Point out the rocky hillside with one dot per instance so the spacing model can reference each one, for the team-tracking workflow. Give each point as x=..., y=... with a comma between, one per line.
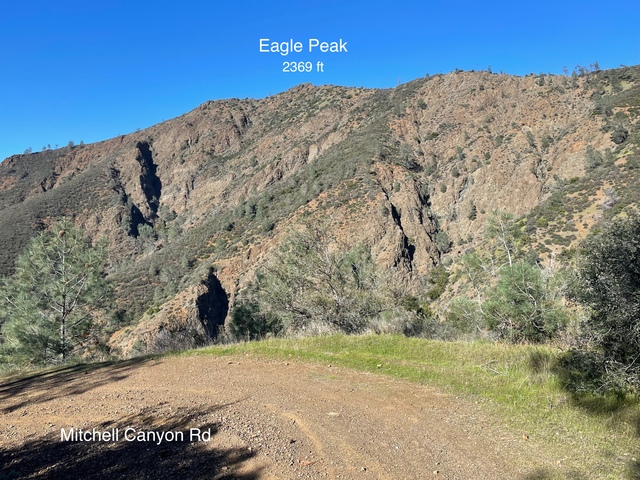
x=192, y=206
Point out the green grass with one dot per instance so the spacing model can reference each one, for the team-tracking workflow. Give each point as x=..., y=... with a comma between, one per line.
x=592, y=436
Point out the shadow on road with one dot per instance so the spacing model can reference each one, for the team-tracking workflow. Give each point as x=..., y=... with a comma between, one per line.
x=52, y=457
x=63, y=382
x=546, y=474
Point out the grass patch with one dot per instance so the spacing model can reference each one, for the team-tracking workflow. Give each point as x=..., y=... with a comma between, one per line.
x=589, y=435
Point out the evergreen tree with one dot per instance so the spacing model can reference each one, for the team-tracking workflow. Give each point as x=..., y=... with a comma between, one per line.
x=49, y=304
x=521, y=307
x=515, y=298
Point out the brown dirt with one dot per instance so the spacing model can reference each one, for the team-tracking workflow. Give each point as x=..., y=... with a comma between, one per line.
x=268, y=420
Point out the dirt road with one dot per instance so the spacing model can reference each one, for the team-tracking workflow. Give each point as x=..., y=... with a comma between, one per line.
x=266, y=419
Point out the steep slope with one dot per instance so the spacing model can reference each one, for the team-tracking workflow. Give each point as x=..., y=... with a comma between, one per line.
x=412, y=172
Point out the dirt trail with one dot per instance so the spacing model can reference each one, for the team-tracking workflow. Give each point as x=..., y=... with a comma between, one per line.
x=267, y=419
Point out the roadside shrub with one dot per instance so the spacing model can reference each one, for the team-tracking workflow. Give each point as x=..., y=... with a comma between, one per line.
x=607, y=283
x=464, y=317
x=248, y=323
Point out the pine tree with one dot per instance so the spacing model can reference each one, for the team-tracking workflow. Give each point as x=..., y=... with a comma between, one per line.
x=49, y=304
x=521, y=307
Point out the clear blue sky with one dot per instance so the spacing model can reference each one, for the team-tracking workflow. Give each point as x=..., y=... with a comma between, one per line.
x=91, y=70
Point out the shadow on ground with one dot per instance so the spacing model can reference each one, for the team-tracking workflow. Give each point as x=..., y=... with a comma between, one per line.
x=546, y=474
x=582, y=376
x=63, y=382
x=51, y=457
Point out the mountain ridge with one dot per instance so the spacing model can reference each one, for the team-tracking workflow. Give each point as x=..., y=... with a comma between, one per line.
x=412, y=172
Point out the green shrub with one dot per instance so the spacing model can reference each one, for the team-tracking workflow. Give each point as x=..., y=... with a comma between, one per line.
x=443, y=242
x=608, y=283
x=248, y=323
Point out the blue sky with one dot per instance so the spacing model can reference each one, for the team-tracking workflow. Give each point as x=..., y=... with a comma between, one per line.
x=91, y=70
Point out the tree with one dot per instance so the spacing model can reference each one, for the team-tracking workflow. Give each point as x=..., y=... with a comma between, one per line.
x=473, y=212
x=521, y=307
x=311, y=281
x=504, y=240
x=502, y=246
x=514, y=296
x=608, y=285
x=49, y=304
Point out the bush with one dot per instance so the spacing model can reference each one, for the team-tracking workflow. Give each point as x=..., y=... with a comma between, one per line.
x=607, y=283
x=439, y=279
x=248, y=323
x=464, y=317
x=473, y=212
x=619, y=135
x=443, y=242
x=310, y=281
x=593, y=158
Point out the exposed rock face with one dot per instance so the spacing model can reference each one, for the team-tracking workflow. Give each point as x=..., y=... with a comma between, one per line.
x=399, y=170
x=188, y=320
x=213, y=305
